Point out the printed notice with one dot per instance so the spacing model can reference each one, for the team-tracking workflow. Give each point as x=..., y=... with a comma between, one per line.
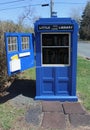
x=15, y=65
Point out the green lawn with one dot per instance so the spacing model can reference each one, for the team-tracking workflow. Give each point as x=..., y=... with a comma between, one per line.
x=28, y=74
x=8, y=115
x=83, y=81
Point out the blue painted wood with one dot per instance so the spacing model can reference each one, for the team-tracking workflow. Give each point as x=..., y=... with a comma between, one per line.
x=57, y=98
x=56, y=82
x=25, y=61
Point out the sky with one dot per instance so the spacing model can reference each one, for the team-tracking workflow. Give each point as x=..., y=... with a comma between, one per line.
x=13, y=9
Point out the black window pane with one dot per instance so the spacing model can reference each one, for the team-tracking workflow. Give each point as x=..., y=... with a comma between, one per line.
x=56, y=49
x=55, y=56
x=55, y=39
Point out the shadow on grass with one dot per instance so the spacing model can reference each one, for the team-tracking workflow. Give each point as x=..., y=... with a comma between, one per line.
x=25, y=87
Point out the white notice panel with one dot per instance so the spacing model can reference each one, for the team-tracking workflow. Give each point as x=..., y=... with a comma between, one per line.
x=15, y=65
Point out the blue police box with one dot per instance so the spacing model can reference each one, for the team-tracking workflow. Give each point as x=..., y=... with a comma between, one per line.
x=56, y=59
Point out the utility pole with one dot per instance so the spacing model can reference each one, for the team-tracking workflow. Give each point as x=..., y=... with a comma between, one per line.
x=51, y=7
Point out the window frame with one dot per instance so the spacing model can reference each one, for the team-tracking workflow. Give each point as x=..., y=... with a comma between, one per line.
x=69, y=49
x=26, y=43
x=11, y=44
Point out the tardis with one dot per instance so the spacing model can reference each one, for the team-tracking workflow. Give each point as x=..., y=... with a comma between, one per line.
x=56, y=56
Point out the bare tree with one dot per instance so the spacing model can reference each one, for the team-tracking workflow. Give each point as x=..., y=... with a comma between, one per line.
x=28, y=15
x=76, y=14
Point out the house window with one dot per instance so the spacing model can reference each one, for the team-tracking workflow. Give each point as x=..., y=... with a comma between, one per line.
x=56, y=49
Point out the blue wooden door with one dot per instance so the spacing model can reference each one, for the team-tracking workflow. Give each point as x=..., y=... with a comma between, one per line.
x=54, y=74
x=19, y=52
x=55, y=81
x=56, y=50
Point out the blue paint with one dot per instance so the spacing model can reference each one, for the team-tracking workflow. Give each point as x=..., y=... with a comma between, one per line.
x=27, y=58
x=55, y=81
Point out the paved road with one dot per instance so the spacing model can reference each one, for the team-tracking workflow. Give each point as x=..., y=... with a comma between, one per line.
x=84, y=49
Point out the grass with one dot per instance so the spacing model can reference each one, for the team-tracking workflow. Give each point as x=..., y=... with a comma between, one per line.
x=8, y=115
x=28, y=74
x=83, y=81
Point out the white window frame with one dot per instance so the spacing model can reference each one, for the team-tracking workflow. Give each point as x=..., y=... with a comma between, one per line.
x=25, y=44
x=11, y=45
x=69, y=46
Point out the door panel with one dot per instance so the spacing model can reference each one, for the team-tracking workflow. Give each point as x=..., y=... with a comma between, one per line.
x=55, y=80
x=48, y=81
x=62, y=80
x=19, y=52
